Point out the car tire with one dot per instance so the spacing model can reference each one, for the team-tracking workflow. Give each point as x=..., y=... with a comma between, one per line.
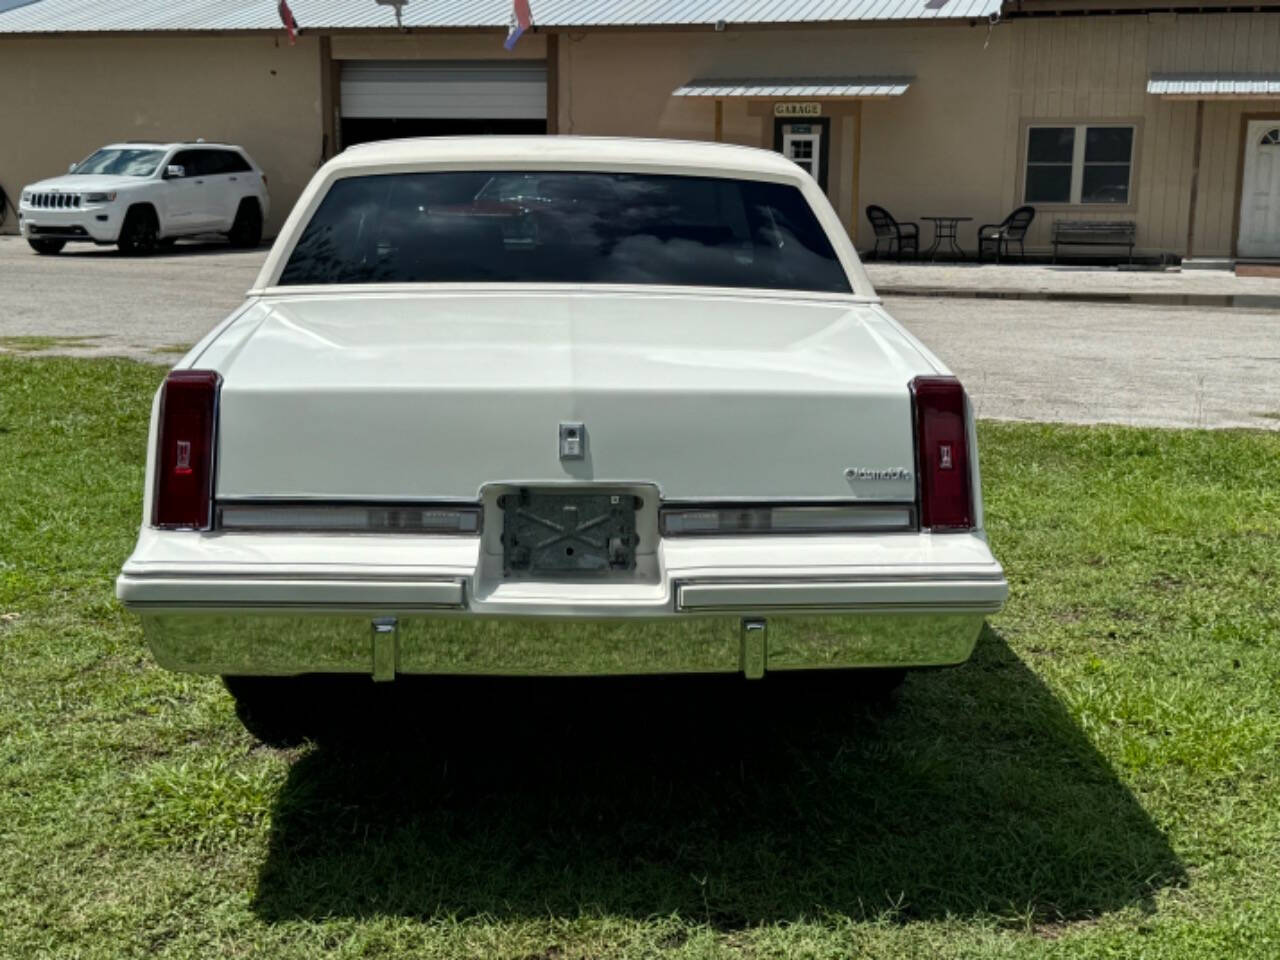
x=47, y=247
x=246, y=229
x=277, y=710
x=140, y=232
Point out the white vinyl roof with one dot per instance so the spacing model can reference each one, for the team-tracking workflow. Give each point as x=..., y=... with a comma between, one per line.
x=96, y=16
x=568, y=152
x=824, y=87
x=1214, y=85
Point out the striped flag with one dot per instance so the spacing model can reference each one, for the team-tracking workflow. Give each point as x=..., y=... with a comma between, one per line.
x=521, y=20
x=290, y=24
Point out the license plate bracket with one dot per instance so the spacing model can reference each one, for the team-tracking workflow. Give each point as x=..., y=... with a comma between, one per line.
x=568, y=532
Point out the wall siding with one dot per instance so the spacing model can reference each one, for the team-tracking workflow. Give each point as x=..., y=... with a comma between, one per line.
x=936, y=150
x=1095, y=69
x=63, y=98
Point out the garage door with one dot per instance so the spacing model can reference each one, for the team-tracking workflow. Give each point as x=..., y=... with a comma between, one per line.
x=444, y=90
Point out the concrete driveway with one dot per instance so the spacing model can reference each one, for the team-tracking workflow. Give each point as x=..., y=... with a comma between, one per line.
x=1186, y=366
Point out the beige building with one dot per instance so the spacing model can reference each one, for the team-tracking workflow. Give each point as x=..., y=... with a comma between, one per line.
x=1166, y=120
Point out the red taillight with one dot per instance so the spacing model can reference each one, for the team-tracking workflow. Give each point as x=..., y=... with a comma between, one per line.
x=942, y=454
x=184, y=461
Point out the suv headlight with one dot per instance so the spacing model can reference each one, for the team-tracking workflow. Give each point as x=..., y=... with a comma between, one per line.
x=99, y=197
x=26, y=196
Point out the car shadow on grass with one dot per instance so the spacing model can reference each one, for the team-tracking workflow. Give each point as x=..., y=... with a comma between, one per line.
x=732, y=804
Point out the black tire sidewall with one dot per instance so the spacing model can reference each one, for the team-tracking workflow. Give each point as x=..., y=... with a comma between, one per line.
x=128, y=242
x=46, y=247
x=246, y=229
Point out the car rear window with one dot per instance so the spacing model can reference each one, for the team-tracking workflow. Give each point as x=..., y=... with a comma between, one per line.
x=565, y=227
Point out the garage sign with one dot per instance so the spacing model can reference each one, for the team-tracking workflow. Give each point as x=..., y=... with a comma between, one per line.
x=807, y=108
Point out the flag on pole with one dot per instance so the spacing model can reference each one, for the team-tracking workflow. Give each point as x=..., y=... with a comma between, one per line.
x=521, y=20
x=290, y=24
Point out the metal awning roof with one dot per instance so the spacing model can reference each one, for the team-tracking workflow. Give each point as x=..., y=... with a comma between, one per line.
x=1214, y=86
x=95, y=16
x=818, y=87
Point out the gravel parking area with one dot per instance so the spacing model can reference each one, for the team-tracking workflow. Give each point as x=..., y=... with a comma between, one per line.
x=1021, y=359
x=94, y=301
x=1085, y=363
x=1138, y=364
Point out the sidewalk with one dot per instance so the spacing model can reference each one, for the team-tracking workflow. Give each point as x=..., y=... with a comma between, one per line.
x=1062, y=278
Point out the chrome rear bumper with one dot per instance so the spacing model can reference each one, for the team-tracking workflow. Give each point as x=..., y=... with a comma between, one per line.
x=253, y=604
x=281, y=643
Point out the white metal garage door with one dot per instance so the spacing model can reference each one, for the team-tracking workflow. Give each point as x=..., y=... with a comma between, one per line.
x=444, y=89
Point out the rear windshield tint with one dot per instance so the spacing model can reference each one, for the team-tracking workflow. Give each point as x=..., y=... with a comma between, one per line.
x=552, y=227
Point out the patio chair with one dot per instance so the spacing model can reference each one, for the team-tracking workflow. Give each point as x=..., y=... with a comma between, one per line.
x=998, y=236
x=889, y=231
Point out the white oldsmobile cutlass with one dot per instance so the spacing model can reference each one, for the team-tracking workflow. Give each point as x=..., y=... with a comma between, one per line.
x=559, y=406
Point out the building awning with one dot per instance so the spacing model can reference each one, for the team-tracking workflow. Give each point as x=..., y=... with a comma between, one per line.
x=820, y=88
x=94, y=16
x=1215, y=86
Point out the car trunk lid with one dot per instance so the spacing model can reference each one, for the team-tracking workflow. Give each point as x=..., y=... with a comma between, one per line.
x=435, y=395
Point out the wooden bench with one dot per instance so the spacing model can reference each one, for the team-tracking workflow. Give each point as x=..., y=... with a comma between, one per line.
x=1094, y=233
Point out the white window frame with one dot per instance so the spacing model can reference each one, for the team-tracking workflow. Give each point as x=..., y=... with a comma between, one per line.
x=1077, y=163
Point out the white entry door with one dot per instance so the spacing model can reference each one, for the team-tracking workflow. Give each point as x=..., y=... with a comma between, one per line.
x=1260, y=193
x=802, y=149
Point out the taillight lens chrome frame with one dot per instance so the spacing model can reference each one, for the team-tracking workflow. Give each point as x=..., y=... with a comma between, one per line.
x=686, y=520
x=450, y=519
x=942, y=454
x=186, y=450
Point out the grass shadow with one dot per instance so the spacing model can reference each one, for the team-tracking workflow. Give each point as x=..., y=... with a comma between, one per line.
x=729, y=803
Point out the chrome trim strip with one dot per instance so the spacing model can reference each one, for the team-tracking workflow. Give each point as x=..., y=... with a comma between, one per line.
x=995, y=574
x=984, y=596
x=276, y=291
x=163, y=591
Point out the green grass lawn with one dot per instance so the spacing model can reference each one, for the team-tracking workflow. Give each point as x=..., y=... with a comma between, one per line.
x=1101, y=780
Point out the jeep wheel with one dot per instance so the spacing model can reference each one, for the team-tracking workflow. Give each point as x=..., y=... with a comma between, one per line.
x=140, y=232
x=246, y=229
x=47, y=247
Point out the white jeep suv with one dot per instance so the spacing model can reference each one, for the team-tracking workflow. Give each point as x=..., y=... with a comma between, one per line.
x=146, y=195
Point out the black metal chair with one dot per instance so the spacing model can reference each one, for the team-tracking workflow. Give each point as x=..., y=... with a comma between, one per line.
x=889, y=231
x=998, y=236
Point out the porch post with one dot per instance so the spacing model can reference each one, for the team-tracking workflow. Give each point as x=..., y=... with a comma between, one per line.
x=553, y=83
x=1195, y=179
x=856, y=175
x=329, y=85
x=719, y=123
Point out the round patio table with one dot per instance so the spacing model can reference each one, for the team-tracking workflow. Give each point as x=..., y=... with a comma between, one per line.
x=944, y=228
